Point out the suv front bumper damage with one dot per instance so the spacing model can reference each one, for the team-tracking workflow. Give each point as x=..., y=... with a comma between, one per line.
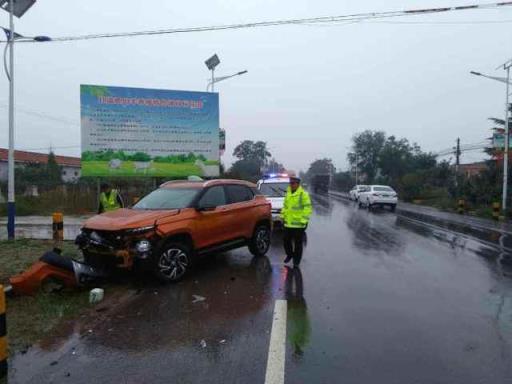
x=112, y=249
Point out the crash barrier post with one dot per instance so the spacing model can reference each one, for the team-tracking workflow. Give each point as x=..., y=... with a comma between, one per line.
x=58, y=226
x=496, y=208
x=3, y=334
x=460, y=206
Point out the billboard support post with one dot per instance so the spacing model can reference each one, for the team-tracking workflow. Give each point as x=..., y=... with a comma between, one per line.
x=11, y=204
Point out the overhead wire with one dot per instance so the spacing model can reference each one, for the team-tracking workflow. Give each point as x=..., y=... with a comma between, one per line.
x=350, y=18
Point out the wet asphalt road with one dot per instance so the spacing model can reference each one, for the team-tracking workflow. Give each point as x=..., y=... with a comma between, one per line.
x=379, y=299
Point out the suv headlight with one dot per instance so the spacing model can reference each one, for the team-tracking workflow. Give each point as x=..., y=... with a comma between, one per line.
x=136, y=231
x=143, y=246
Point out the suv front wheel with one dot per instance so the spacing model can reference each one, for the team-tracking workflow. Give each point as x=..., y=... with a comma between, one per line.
x=173, y=262
x=260, y=242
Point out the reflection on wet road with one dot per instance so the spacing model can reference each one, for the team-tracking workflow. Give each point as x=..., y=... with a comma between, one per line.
x=378, y=299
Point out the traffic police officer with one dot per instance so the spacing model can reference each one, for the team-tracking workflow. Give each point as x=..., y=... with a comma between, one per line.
x=110, y=199
x=295, y=214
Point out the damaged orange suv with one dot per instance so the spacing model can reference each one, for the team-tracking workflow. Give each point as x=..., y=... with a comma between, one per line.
x=171, y=227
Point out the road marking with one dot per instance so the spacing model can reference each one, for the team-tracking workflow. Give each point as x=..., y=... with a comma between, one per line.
x=277, y=347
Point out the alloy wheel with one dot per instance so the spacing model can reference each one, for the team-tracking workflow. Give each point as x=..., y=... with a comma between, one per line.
x=263, y=239
x=173, y=263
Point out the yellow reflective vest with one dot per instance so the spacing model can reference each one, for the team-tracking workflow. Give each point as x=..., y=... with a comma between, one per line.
x=296, y=209
x=109, y=203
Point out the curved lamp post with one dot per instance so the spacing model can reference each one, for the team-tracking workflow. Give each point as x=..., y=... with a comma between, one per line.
x=505, y=80
x=15, y=8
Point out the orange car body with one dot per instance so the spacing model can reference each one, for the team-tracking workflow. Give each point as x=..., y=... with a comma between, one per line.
x=115, y=237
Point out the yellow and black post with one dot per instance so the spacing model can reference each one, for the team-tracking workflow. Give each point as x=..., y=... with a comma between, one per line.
x=58, y=226
x=460, y=206
x=3, y=334
x=496, y=208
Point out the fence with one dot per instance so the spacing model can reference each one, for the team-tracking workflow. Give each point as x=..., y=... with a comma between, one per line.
x=72, y=198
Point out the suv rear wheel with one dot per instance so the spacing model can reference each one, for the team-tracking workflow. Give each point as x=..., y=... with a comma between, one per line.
x=260, y=242
x=173, y=262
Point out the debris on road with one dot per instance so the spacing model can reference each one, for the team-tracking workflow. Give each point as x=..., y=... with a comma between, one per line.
x=203, y=343
x=197, y=298
x=96, y=295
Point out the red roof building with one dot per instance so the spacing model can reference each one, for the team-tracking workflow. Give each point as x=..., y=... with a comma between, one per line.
x=70, y=165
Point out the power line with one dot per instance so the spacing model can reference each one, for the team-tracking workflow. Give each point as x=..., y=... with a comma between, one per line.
x=43, y=115
x=463, y=148
x=351, y=18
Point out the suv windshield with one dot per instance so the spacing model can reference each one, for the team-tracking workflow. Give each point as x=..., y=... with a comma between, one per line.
x=168, y=198
x=273, y=189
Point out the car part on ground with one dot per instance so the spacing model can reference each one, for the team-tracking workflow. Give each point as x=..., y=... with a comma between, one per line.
x=52, y=272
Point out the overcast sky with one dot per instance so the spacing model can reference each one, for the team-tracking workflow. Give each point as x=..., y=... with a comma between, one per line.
x=308, y=90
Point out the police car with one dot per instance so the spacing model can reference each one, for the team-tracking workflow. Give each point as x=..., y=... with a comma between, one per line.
x=273, y=186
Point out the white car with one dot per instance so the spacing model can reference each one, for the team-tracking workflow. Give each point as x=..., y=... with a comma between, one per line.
x=273, y=187
x=378, y=195
x=354, y=192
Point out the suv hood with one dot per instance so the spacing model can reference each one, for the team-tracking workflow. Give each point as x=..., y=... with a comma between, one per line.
x=127, y=219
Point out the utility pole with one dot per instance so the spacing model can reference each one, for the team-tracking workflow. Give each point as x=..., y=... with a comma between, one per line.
x=457, y=155
x=357, y=162
x=507, y=133
x=457, y=163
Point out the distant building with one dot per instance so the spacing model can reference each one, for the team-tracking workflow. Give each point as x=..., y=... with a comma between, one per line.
x=472, y=169
x=70, y=166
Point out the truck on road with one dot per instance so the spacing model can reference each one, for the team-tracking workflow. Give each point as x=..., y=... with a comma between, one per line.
x=320, y=183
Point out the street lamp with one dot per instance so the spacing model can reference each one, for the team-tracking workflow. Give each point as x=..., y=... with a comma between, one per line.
x=211, y=63
x=15, y=8
x=222, y=78
x=505, y=80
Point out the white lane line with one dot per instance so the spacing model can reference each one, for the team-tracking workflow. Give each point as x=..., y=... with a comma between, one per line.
x=277, y=347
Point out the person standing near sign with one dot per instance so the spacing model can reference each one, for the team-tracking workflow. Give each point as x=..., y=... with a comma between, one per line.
x=295, y=214
x=109, y=199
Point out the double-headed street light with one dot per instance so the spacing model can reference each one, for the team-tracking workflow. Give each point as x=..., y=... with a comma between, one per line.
x=15, y=8
x=505, y=80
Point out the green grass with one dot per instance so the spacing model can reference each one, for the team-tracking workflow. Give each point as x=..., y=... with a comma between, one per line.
x=101, y=168
x=30, y=318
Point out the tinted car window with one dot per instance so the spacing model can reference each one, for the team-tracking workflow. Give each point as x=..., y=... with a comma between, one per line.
x=239, y=193
x=383, y=189
x=167, y=198
x=213, y=197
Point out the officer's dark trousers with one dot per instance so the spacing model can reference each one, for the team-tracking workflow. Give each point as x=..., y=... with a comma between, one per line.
x=293, y=243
